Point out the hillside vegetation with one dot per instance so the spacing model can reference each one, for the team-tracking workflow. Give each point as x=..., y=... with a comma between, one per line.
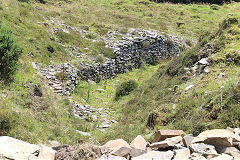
x=212, y=103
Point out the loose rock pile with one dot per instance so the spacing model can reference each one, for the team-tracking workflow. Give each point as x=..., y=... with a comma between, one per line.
x=217, y=144
x=62, y=78
x=138, y=48
x=89, y=113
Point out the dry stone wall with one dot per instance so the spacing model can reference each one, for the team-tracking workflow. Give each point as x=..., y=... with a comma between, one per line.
x=137, y=48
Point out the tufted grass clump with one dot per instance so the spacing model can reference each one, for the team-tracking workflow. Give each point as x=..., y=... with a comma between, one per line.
x=8, y=120
x=62, y=76
x=125, y=88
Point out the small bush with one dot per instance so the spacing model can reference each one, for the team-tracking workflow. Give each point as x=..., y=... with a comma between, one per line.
x=107, y=52
x=50, y=49
x=91, y=36
x=64, y=37
x=10, y=52
x=99, y=59
x=125, y=88
x=228, y=22
x=7, y=121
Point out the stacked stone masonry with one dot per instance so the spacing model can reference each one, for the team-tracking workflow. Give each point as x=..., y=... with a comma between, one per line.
x=137, y=48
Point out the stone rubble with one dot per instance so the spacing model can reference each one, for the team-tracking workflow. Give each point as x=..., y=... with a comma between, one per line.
x=216, y=144
x=61, y=78
x=206, y=146
x=135, y=48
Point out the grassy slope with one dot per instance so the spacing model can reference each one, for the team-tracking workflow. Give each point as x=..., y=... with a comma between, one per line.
x=213, y=103
x=27, y=22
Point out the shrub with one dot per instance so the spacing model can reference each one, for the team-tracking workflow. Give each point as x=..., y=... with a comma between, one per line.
x=107, y=52
x=64, y=37
x=91, y=36
x=50, y=48
x=99, y=59
x=125, y=88
x=10, y=53
x=7, y=121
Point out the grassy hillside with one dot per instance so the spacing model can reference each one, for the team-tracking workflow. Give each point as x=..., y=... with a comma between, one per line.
x=213, y=102
x=38, y=119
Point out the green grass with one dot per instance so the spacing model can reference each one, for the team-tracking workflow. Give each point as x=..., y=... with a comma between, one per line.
x=41, y=119
x=213, y=103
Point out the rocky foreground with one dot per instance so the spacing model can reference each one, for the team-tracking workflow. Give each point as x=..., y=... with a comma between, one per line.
x=217, y=144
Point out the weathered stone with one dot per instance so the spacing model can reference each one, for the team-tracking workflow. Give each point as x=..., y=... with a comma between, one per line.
x=179, y=146
x=163, y=134
x=138, y=146
x=203, y=148
x=111, y=157
x=236, y=137
x=221, y=75
x=104, y=125
x=136, y=152
x=203, y=61
x=117, y=147
x=197, y=156
x=230, y=129
x=84, y=133
x=181, y=154
x=227, y=150
x=189, y=87
x=46, y=153
x=236, y=130
x=139, y=143
x=220, y=138
x=187, y=140
x=100, y=90
x=121, y=151
x=12, y=148
x=152, y=155
x=223, y=157
x=235, y=155
x=34, y=65
x=169, y=142
x=53, y=143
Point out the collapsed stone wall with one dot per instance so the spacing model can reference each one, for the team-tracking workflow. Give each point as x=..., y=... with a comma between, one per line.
x=147, y=47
